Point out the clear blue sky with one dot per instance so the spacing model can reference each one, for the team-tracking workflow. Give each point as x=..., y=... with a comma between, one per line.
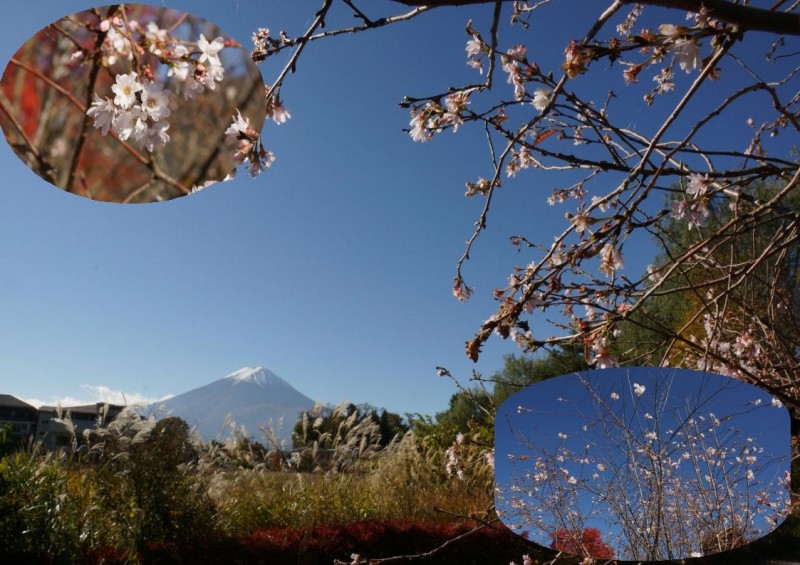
x=333, y=269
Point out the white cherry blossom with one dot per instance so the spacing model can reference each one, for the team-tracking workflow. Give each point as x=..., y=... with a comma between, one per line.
x=125, y=89
x=155, y=101
x=102, y=111
x=686, y=54
x=130, y=124
x=210, y=51
x=155, y=136
x=239, y=126
x=178, y=68
x=541, y=98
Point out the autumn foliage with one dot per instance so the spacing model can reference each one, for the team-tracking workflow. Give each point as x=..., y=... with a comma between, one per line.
x=588, y=543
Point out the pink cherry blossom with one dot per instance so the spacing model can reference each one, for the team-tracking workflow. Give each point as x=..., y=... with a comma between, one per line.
x=698, y=185
x=418, y=130
x=610, y=259
x=474, y=46
x=278, y=112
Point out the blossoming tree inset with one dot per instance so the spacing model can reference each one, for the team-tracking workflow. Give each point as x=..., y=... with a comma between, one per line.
x=130, y=103
x=662, y=463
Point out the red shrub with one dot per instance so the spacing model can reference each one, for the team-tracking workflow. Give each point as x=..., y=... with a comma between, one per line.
x=588, y=542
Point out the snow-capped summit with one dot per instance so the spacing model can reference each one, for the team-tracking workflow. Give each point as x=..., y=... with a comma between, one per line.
x=251, y=396
x=257, y=375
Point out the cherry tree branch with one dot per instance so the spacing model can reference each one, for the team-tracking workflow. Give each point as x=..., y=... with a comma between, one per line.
x=744, y=17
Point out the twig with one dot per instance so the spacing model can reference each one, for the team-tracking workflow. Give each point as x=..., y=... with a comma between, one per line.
x=76, y=155
x=301, y=43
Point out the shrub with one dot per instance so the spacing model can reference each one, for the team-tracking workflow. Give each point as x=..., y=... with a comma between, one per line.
x=37, y=517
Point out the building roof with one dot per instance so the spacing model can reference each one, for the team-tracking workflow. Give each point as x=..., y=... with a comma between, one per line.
x=85, y=409
x=14, y=402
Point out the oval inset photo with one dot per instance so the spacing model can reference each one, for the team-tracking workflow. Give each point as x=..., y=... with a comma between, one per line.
x=642, y=464
x=132, y=103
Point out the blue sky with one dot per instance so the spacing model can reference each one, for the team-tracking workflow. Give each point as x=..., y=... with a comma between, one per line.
x=333, y=269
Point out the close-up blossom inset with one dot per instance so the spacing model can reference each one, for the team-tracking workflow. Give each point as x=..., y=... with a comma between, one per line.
x=642, y=464
x=133, y=103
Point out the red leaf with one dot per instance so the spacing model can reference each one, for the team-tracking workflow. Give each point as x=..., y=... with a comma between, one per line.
x=544, y=135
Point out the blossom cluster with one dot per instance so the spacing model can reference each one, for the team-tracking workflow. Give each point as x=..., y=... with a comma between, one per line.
x=141, y=105
x=197, y=65
x=433, y=117
x=249, y=150
x=695, y=209
x=740, y=347
x=264, y=45
x=138, y=112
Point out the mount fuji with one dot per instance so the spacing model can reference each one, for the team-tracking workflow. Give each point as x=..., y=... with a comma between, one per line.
x=253, y=396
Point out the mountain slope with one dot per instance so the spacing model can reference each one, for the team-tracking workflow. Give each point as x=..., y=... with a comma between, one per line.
x=252, y=396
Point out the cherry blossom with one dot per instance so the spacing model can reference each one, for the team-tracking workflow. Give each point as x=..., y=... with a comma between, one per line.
x=116, y=45
x=603, y=358
x=102, y=111
x=125, y=89
x=610, y=259
x=541, y=98
x=130, y=123
x=155, y=101
x=580, y=221
x=278, y=112
x=211, y=75
x=474, y=46
x=210, y=51
x=155, y=136
x=419, y=132
x=686, y=54
x=698, y=185
x=694, y=211
x=157, y=38
x=192, y=87
x=475, y=51
x=260, y=160
x=663, y=80
x=238, y=128
x=178, y=67
x=746, y=347
x=455, y=104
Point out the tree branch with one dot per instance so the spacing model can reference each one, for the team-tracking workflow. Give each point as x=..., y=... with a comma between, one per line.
x=745, y=17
